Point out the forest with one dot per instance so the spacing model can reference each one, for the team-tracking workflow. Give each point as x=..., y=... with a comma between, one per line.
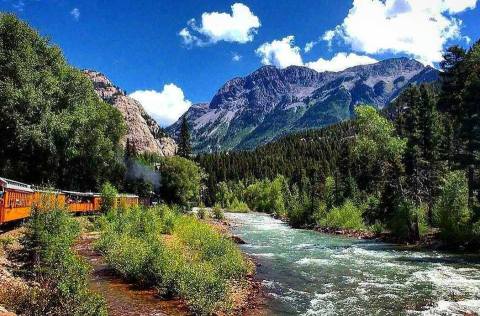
x=409, y=170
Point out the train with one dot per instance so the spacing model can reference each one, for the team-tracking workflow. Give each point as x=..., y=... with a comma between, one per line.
x=17, y=200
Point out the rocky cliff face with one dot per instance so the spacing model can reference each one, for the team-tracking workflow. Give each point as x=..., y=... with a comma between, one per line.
x=270, y=102
x=143, y=132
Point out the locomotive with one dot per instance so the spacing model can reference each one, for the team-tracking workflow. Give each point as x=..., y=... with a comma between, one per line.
x=17, y=200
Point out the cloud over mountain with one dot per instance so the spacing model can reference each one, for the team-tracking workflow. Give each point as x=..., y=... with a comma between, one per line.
x=284, y=53
x=164, y=106
x=417, y=28
x=240, y=26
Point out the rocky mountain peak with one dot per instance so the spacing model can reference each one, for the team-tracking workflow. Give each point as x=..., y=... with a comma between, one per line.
x=270, y=102
x=142, y=131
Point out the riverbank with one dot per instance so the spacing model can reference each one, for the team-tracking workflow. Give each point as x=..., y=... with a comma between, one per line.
x=251, y=300
x=125, y=298
x=180, y=257
x=9, y=283
x=122, y=298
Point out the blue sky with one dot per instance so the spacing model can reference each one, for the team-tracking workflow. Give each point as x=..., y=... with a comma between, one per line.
x=138, y=45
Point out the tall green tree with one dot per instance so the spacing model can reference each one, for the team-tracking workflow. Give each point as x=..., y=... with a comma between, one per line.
x=181, y=180
x=184, y=144
x=54, y=127
x=419, y=122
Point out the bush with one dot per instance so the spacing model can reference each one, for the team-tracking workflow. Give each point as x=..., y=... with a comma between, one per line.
x=451, y=212
x=238, y=206
x=347, y=216
x=202, y=213
x=196, y=262
x=218, y=213
x=62, y=277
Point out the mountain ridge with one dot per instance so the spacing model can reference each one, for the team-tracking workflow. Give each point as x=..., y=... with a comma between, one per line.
x=270, y=102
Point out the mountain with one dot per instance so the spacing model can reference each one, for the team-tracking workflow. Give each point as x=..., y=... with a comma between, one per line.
x=142, y=131
x=271, y=102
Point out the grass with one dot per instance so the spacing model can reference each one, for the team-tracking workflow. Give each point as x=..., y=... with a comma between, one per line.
x=177, y=254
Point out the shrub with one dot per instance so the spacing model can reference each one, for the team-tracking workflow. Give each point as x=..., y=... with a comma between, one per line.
x=218, y=213
x=347, y=216
x=238, y=206
x=267, y=196
x=377, y=227
x=196, y=262
x=202, y=213
x=62, y=277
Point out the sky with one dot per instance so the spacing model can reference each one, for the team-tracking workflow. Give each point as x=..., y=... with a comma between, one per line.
x=171, y=54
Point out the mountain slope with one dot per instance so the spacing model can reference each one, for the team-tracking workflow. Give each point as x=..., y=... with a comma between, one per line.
x=143, y=132
x=270, y=102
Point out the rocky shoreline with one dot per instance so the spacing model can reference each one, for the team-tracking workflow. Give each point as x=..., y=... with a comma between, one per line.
x=253, y=296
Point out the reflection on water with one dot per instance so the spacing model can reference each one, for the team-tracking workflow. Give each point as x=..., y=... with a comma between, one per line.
x=308, y=273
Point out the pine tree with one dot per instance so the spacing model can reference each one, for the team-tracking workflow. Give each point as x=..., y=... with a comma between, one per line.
x=184, y=145
x=470, y=119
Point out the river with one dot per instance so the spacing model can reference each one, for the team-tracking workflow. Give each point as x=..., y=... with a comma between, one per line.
x=308, y=273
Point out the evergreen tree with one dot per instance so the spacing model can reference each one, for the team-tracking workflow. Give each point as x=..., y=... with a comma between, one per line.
x=184, y=144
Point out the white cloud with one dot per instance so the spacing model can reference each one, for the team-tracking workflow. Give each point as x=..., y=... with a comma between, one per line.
x=75, y=13
x=420, y=28
x=308, y=47
x=339, y=62
x=240, y=26
x=236, y=57
x=165, y=106
x=281, y=53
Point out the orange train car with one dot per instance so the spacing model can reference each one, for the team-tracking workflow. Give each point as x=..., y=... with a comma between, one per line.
x=17, y=200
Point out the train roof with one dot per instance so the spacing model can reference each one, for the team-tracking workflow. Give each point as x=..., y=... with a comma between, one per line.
x=127, y=195
x=92, y=194
x=15, y=185
x=88, y=194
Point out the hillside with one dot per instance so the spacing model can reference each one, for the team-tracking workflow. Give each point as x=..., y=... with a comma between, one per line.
x=253, y=110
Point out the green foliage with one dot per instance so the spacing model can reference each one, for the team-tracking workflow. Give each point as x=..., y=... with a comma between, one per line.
x=109, y=197
x=267, y=196
x=409, y=221
x=194, y=261
x=202, y=213
x=180, y=180
x=238, y=206
x=451, y=211
x=54, y=127
x=346, y=216
x=62, y=277
x=218, y=213
x=376, y=136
